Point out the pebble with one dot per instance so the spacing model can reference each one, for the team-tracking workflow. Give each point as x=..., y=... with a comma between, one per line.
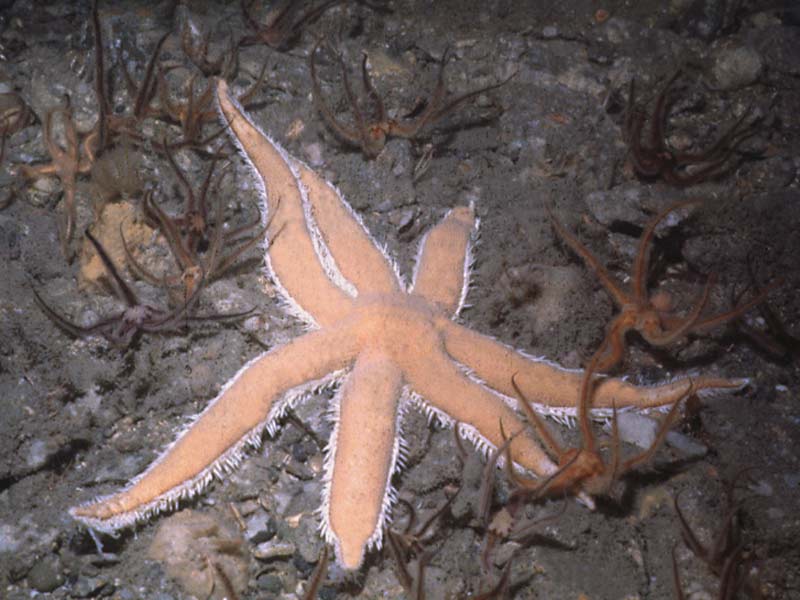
x=89, y=587
x=309, y=543
x=126, y=594
x=761, y=488
x=641, y=430
x=270, y=584
x=686, y=445
x=635, y=428
x=621, y=204
x=404, y=218
x=46, y=575
x=313, y=154
x=792, y=480
x=274, y=549
x=10, y=542
x=736, y=66
x=38, y=453
x=9, y=239
x=255, y=324
x=550, y=32
x=260, y=528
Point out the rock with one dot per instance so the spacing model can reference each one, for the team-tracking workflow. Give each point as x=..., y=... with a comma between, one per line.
x=779, y=46
x=792, y=480
x=38, y=452
x=270, y=584
x=622, y=204
x=9, y=540
x=90, y=587
x=308, y=540
x=46, y=575
x=686, y=445
x=550, y=32
x=313, y=153
x=735, y=65
x=641, y=430
x=635, y=428
x=107, y=231
x=9, y=239
x=194, y=547
x=274, y=549
x=260, y=528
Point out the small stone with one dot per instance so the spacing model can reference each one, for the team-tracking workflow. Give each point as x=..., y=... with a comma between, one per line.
x=686, y=445
x=308, y=540
x=126, y=594
x=636, y=428
x=775, y=513
x=792, y=480
x=550, y=32
x=622, y=204
x=260, y=528
x=9, y=238
x=194, y=547
x=313, y=154
x=270, y=584
x=403, y=219
x=736, y=66
x=89, y=587
x=46, y=575
x=255, y=324
x=46, y=185
x=10, y=540
x=274, y=549
x=761, y=488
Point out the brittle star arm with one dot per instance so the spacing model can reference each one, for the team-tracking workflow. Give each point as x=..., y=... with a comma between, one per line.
x=351, y=135
x=294, y=256
x=641, y=264
x=214, y=443
x=621, y=298
x=553, y=389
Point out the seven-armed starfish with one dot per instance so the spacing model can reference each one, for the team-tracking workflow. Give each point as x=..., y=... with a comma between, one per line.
x=389, y=345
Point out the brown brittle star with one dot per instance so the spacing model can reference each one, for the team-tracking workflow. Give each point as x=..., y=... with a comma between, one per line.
x=196, y=45
x=653, y=158
x=371, y=135
x=197, y=246
x=67, y=162
x=79, y=151
x=191, y=114
x=582, y=469
x=138, y=317
x=280, y=27
x=725, y=556
x=652, y=316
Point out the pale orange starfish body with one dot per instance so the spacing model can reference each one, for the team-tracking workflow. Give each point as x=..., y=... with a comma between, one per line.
x=386, y=344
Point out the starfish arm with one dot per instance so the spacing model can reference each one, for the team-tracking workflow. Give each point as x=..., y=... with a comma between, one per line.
x=553, y=389
x=215, y=442
x=355, y=252
x=361, y=458
x=481, y=412
x=441, y=275
x=294, y=253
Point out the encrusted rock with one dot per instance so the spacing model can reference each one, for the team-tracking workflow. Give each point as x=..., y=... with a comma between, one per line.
x=736, y=66
x=203, y=553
